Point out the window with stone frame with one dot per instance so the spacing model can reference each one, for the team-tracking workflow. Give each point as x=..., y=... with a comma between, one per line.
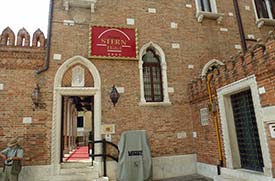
x=265, y=8
x=205, y=5
x=152, y=78
x=207, y=9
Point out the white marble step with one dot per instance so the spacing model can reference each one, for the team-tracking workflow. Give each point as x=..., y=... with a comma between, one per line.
x=227, y=178
x=101, y=179
x=84, y=164
x=75, y=177
x=78, y=170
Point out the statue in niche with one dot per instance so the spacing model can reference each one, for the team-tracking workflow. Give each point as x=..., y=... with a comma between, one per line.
x=78, y=77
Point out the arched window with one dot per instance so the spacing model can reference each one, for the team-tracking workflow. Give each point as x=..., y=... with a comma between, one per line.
x=152, y=77
x=209, y=66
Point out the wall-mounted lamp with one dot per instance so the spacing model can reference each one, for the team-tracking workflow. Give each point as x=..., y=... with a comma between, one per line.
x=114, y=95
x=36, y=96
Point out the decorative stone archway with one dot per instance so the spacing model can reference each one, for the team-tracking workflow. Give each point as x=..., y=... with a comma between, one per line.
x=60, y=91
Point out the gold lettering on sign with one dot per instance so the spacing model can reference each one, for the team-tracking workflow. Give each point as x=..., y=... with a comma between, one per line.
x=113, y=45
x=113, y=41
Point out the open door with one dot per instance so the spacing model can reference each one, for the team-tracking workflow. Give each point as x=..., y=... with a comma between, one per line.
x=77, y=127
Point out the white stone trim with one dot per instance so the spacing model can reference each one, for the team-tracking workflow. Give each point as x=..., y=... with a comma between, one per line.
x=208, y=65
x=59, y=91
x=155, y=103
x=80, y=3
x=1, y=86
x=228, y=127
x=160, y=52
x=130, y=21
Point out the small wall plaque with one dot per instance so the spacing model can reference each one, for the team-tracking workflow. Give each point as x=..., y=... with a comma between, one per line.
x=78, y=77
x=108, y=129
x=204, y=116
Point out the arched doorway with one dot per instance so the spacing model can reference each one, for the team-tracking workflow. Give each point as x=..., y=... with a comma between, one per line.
x=79, y=89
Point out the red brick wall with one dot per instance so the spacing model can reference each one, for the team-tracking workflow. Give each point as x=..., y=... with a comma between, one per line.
x=17, y=73
x=199, y=43
x=254, y=62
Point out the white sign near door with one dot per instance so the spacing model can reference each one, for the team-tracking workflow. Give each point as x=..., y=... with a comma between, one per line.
x=204, y=116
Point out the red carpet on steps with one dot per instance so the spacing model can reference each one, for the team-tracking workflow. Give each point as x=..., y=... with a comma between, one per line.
x=81, y=153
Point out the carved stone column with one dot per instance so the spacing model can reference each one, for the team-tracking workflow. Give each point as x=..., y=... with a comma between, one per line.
x=74, y=126
x=70, y=125
x=65, y=125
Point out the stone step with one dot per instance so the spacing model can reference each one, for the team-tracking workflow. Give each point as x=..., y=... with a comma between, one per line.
x=84, y=164
x=76, y=177
x=78, y=170
x=101, y=179
x=227, y=178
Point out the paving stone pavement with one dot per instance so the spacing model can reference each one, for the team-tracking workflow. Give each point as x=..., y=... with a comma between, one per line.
x=188, y=178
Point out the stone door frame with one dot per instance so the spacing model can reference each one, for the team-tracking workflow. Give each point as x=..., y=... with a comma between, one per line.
x=228, y=127
x=59, y=91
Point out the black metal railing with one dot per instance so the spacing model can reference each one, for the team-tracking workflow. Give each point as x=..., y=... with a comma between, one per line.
x=104, y=154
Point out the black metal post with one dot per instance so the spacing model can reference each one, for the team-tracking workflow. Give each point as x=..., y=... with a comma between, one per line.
x=91, y=147
x=93, y=129
x=104, y=157
x=240, y=26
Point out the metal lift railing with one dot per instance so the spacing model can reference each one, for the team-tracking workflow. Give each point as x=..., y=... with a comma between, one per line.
x=104, y=154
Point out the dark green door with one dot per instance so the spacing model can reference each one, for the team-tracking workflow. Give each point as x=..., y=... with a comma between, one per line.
x=247, y=131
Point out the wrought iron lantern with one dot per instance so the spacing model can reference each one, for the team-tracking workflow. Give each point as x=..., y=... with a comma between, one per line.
x=114, y=95
x=36, y=96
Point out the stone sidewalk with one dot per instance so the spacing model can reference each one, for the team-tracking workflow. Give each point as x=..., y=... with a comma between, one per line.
x=188, y=178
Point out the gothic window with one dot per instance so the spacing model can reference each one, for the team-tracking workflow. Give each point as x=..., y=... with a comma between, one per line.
x=265, y=8
x=153, y=76
x=152, y=80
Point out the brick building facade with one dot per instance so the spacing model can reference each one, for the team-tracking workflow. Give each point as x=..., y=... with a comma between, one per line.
x=188, y=41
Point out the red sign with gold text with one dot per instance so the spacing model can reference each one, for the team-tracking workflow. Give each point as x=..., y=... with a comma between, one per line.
x=113, y=42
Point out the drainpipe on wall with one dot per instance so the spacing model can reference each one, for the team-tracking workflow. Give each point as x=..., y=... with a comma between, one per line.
x=214, y=114
x=45, y=68
x=240, y=26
